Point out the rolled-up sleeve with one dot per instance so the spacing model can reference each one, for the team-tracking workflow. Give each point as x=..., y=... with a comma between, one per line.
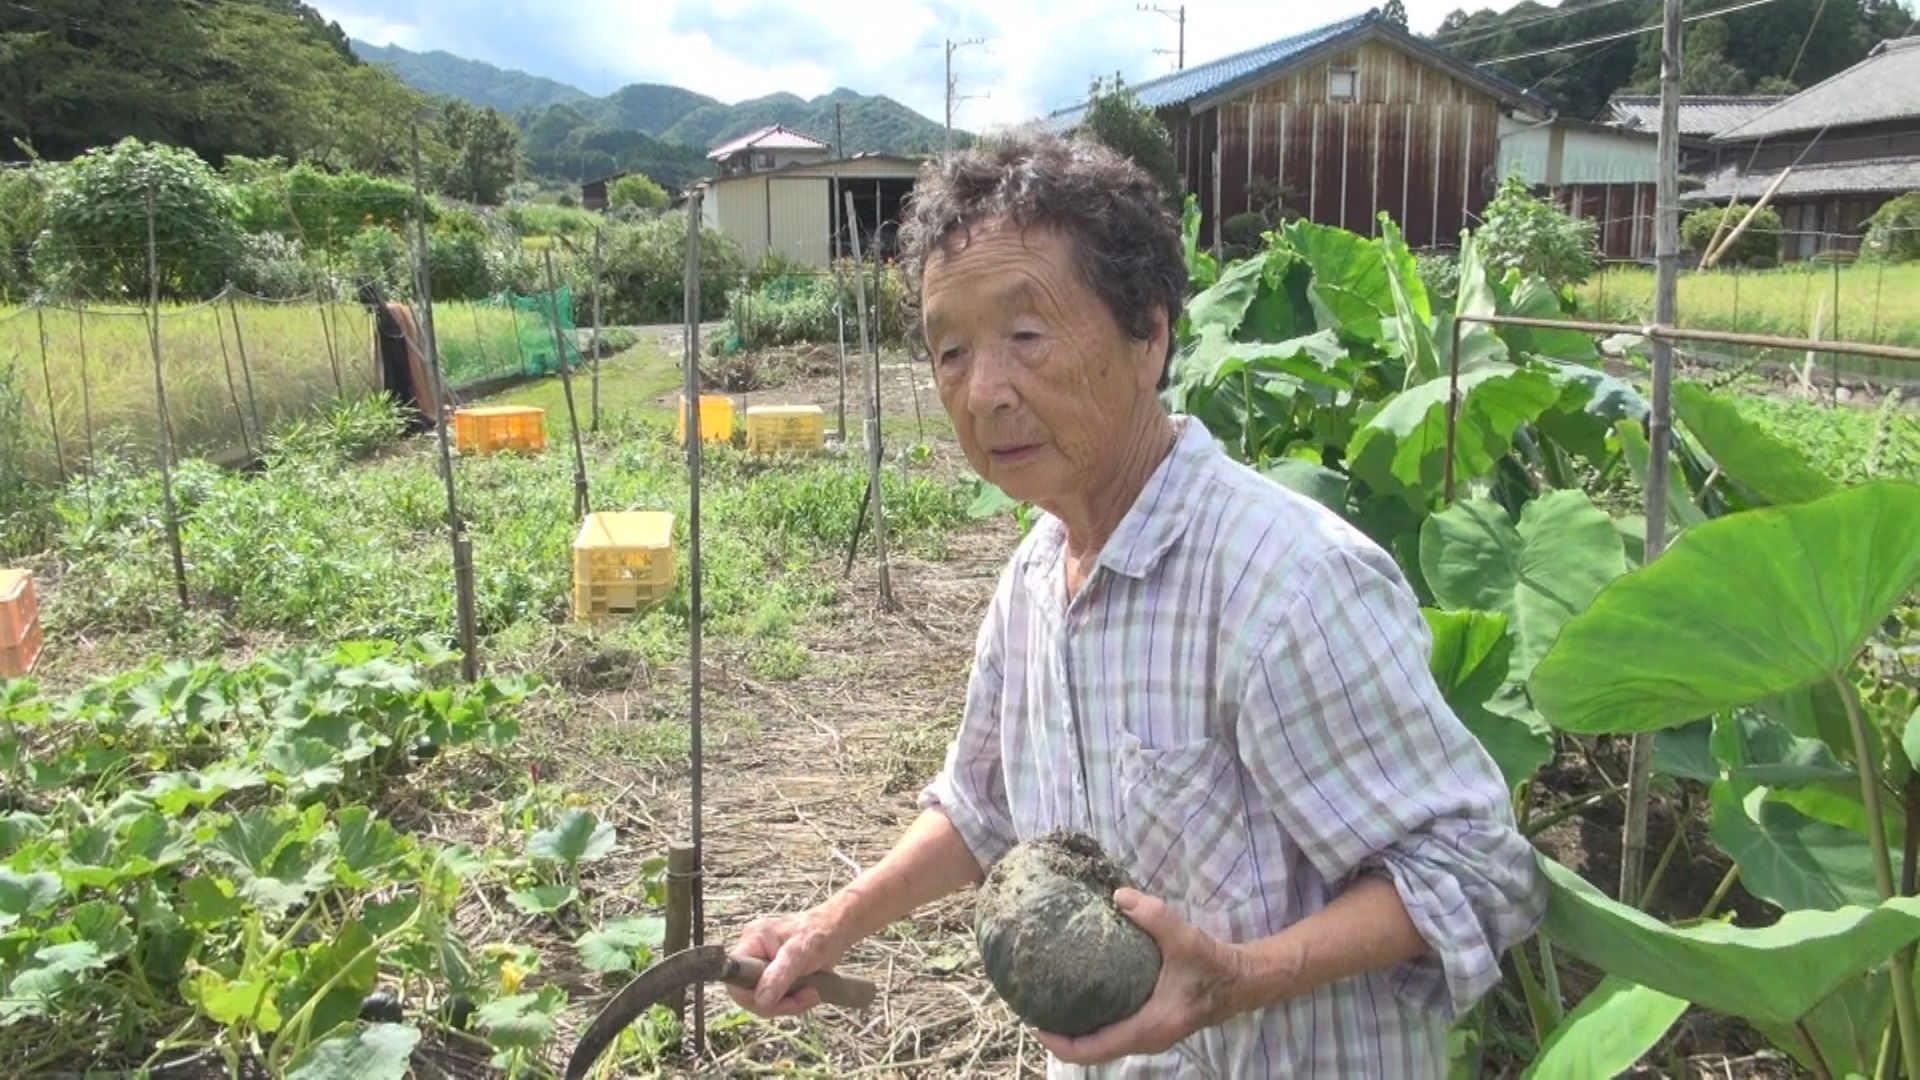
x=1353, y=746
x=971, y=787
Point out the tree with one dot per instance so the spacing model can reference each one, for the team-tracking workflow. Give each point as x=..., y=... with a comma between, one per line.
x=636, y=190
x=1116, y=118
x=1395, y=12
x=484, y=152
x=95, y=236
x=1533, y=236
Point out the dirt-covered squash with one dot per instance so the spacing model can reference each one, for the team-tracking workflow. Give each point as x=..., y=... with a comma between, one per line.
x=1064, y=958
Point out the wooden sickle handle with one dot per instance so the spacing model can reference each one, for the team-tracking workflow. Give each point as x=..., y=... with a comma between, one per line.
x=842, y=990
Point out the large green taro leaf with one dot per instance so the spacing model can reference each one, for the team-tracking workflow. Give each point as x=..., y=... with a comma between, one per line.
x=1745, y=451
x=1738, y=609
x=1789, y=859
x=1768, y=974
x=1535, y=299
x=1315, y=481
x=1402, y=448
x=1479, y=344
x=1350, y=291
x=1471, y=656
x=1410, y=331
x=1682, y=512
x=1317, y=358
x=1612, y=1027
x=1225, y=303
x=1846, y=1028
x=1539, y=574
x=1591, y=403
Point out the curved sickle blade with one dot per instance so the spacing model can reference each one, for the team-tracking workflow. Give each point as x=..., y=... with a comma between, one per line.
x=688, y=967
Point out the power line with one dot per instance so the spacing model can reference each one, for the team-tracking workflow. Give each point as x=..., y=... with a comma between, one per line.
x=1621, y=34
x=1532, y=20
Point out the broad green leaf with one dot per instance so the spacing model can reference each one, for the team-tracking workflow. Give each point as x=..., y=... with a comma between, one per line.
x=1224, y=304
x=362, y=1052
x=1743, y=607
x=1316, y=482
x=1761, y=752
x=1682, y=512
x=1479, y=344
x=543, y=899
x=53, y=970
x=1746, y=451
x=1773, y=973
x=1349, y=290
x=367, y=844
x=102, y=923
x=462, y=860
x=1535, y=299
x=1846, y=1027
x=578, y=838
x=1591, y=403
x=1539, y=574
x=1910, y=739
x=521, y=1020
x=1831, y=804
x=1613, y=1027
x=1788, y=859
x=228, y=1002
x=1686, y=752
x=1402, y=447
x=26, y=894
x=1410, y=331
x=303, y=764
x=1470, y=660
x=248, y=841
x=611, y=947
x=210, y=901
x=345, y=960
x=1317, y=358
x=988, y=501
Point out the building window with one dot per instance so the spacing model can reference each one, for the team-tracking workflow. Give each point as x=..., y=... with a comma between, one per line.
x=766, y=161
x=1343, y=85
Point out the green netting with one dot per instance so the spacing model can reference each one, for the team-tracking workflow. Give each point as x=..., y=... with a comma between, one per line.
x=506, y=334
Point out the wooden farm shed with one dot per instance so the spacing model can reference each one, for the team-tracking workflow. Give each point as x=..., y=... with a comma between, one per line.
x=1351, y=119
x=1596, y=172
x=798, y=210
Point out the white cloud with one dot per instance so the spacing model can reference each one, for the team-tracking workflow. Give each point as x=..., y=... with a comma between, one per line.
x=1036, y=56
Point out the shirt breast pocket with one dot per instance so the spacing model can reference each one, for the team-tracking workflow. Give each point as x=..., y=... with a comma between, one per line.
x=1184, y=824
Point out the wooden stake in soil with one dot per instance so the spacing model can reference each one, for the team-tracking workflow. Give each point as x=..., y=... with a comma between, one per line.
x=690, y=309
x=333, y=355
x=1633, y=846
x=597, y=237
x=86, y=393
x=160, y=404
x=566, y=386
x=46, y=379
x=681, y=873
x=246, y=369
x=867, y=347
x=456, y=529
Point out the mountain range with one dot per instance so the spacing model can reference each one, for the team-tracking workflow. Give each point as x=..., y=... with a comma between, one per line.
x=569, y=133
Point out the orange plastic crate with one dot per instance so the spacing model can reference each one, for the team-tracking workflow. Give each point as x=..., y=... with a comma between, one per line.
x=622, y=562
x=786, y=429
x=487, y=429
x=716, y=419
x=20, y=637
x=16, y=660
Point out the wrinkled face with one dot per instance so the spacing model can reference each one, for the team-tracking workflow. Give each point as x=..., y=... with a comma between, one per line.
x=1038, y=376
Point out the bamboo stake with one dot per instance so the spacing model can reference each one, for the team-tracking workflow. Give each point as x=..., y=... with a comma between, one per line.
x=1713, y=254
x=456, y=528
x=690, y=310
x=160, y=404
x=566, y=385
x=873, y=418
x=333, y=355
x=86, y=394
x=682, y=871
x=233, y=394
x=597, y=237
x=246, y=369
x=46, y=379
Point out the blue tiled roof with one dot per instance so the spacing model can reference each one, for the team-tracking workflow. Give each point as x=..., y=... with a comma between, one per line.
x=1205, y=80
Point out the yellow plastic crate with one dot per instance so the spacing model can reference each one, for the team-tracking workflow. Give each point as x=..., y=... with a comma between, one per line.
x=487, y=429
x=716, y=419
x=19, y=624
x=786, y=429
x=622, y=562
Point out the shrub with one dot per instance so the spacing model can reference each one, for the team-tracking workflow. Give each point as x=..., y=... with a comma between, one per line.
x=1240, y=235
x=274, y=266
x=547, y=219
x=1893, y=232
x=457, y=266
x=798, y=308
x=1440, y=273
x=1760, y=242
x=644, y=264
x=1533, y=236
x=96, y=223
x=23, y=211
x=380, y=256
x=321, y=209
x=637, y=190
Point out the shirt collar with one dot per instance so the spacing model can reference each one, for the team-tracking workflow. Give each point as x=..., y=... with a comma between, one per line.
x=1160, y=513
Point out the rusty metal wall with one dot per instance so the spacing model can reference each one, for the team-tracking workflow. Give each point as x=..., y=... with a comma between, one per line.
x=1413, y=141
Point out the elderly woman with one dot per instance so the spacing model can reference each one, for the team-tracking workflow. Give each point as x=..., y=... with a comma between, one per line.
x=1221, y=681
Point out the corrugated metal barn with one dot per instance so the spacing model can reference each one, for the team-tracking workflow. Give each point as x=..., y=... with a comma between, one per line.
x=1351, y=119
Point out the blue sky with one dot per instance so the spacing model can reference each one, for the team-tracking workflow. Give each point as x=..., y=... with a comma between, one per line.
x=1036, y=55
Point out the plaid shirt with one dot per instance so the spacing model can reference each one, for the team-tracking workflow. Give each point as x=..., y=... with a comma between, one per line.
x=1237, y=705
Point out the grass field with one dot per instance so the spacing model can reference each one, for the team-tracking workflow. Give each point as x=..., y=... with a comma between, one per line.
x=293, y=352
x=1876, y=304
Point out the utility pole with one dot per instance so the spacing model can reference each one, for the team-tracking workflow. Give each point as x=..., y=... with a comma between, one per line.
x=1633, y=846
x=946, y=138
x=1179, y=16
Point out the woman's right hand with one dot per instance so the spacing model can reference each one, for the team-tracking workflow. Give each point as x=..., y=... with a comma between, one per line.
x=792, y=946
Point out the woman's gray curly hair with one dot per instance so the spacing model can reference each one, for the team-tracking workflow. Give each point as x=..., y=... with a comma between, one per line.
x=1126, y=241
